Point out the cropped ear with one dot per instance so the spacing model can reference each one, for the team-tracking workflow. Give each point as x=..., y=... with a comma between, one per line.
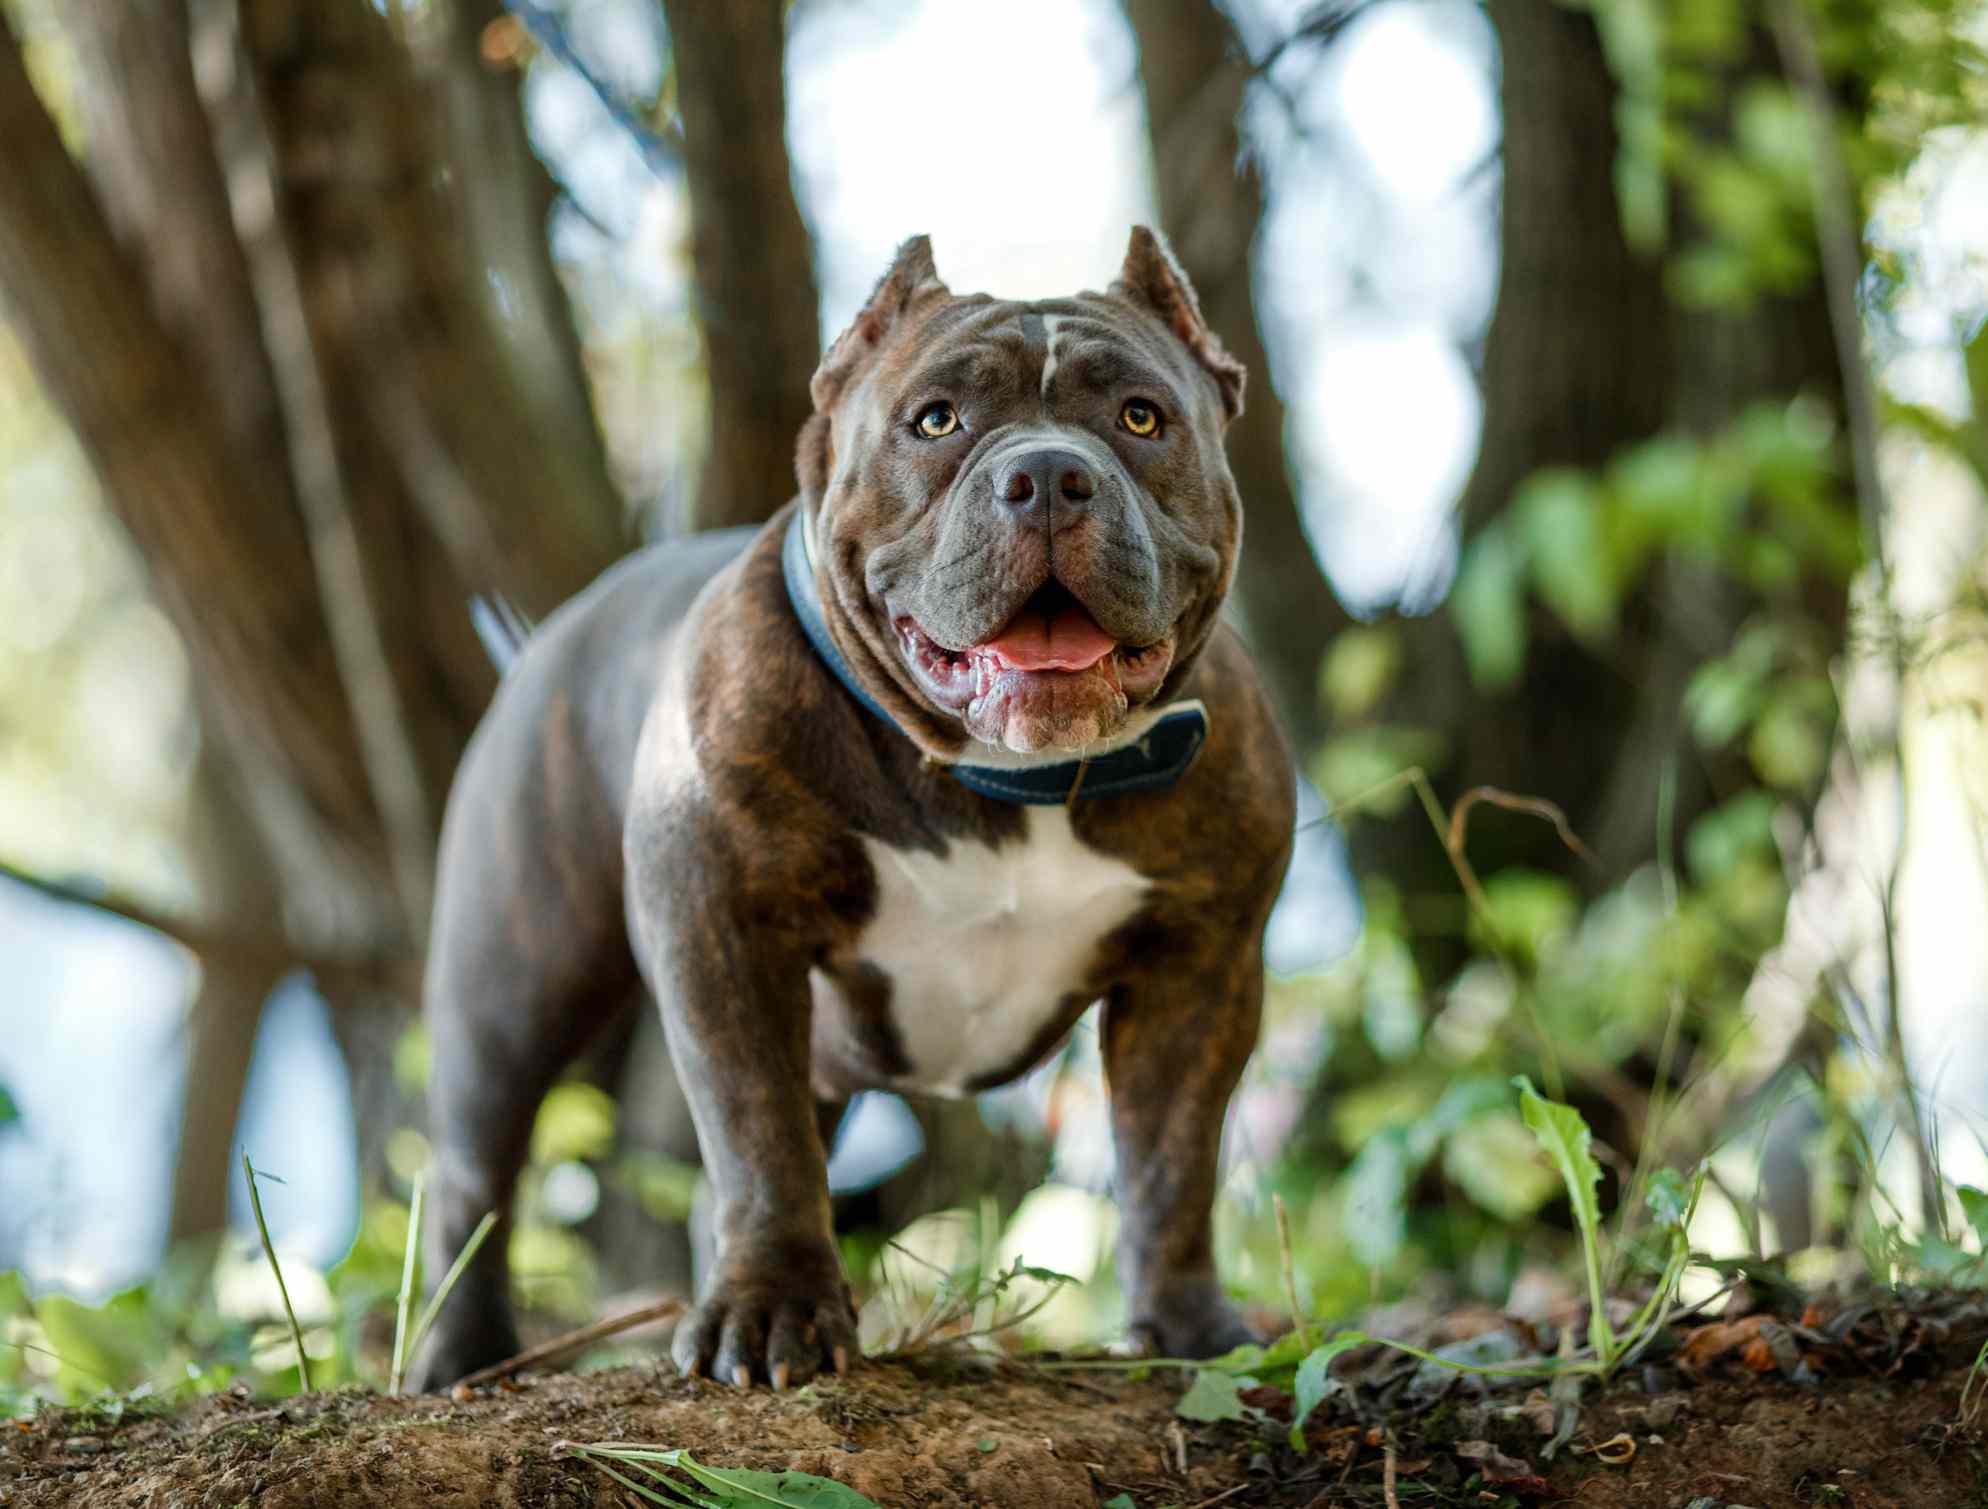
x=1152, y=279
x=912, y=280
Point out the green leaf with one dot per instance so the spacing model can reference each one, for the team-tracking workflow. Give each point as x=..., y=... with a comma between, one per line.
x=1259, y=1362
x=8, y=1110
x=1976, y=354
x=1528, y=914
x=1669, y=1198
x=796, y=1490
x=575, y=1122
x=1973, y=1204
x=13, y=1297
x=1121, y=1501
x=107, y=1344
x=1376, y=1197
x=730, y=1487
x=1723, y=838
x=1564, y=1136
x=1315, y=1381
x=1212, y=1396
x=1359, y=669
x=1560, y=513
x=1495, y=1162
x=1488, y=605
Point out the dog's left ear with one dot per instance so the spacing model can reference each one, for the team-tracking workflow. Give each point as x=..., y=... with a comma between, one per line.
x=1152, y=279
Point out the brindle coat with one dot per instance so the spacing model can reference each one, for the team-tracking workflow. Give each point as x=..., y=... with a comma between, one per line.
x=672, y=789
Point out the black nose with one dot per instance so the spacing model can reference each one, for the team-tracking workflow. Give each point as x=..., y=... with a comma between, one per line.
x=1051, y=478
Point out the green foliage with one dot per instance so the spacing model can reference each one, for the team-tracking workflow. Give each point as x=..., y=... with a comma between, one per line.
x=1564, y=1136
x=1758, y=503
x=714, y=1487
x=1701, y=110
x=1213, y=1396
x=1359, y=670
x=575, y=1123
x=1314, y=1382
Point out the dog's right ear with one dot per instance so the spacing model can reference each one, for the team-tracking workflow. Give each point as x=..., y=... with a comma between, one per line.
x=912, y=280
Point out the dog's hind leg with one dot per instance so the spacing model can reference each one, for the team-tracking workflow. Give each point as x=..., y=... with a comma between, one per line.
x=528, y=959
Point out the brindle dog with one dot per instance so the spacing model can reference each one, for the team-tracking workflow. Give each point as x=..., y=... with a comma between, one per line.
x=1014, y=531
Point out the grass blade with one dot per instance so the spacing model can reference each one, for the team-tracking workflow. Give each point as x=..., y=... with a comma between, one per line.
x=441, y=1295
x=283, y=1289
x=410, y=1265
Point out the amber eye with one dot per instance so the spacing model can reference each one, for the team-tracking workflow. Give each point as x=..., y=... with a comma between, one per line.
x=1140, y=417
x=938, y=420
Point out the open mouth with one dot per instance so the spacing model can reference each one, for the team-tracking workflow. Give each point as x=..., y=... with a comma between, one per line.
x=1052, y=676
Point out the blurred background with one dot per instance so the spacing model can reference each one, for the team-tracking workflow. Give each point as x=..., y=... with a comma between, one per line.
x=1617, y=438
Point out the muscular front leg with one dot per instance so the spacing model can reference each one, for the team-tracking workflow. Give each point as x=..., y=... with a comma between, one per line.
x=1174, y=1049
x=775, y=1306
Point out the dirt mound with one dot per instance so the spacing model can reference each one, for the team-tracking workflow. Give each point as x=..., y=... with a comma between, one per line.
x=943, y=1434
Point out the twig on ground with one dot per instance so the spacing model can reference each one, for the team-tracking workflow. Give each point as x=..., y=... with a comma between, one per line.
x=600, y=1330
x=1226, y=1493
x=1387, y=1477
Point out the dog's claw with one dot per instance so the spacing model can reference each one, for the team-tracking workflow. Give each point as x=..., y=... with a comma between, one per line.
x=742, y=1376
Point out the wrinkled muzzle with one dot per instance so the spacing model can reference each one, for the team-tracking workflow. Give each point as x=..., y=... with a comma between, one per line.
x=1034, y=601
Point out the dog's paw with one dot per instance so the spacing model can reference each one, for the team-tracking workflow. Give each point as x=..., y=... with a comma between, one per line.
x=1193, y=1320
x=769, y=1322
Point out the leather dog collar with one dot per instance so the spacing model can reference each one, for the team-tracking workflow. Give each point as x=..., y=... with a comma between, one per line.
x=1148, y=757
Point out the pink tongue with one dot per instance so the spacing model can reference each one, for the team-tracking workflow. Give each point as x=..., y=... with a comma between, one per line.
x=1071, y=641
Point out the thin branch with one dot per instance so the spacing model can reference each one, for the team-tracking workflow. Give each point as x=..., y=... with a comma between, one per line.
x=571, y=1341
x=662, y=150
x=375, y=971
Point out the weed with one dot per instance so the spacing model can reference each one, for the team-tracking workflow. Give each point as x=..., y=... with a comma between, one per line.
x=711, y=1487
x=283, y=1289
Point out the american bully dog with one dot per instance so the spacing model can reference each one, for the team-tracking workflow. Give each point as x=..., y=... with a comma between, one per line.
x=886, y=794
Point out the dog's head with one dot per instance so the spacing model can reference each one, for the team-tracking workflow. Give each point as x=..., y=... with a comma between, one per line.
x=1022, y=520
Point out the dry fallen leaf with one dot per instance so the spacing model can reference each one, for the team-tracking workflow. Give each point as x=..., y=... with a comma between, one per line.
x=1495, y=1467
x=1617, y=1451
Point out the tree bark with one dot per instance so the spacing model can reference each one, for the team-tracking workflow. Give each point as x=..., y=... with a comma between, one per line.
x=503, y=198
x=234, y=573
x=425, y=406
x=1211, y=204
x=1585, y=357
x=222, y=1019
x=754, y=264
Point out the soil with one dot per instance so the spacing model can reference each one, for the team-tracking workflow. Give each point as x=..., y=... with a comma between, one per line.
x=1870, y=1419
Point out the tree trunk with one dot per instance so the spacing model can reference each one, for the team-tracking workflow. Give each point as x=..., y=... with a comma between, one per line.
x=755, y=269
x=234, y=573
x=1585, y=357
x=503, y=197
x=226, y=1009
x=1211, y=203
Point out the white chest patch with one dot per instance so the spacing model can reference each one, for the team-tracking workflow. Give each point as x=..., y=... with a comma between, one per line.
x=982, y=946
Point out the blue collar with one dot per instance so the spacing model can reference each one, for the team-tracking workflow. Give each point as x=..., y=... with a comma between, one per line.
x=1151, y=761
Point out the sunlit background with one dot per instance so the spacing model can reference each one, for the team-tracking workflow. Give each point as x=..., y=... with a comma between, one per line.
x=1015, y=136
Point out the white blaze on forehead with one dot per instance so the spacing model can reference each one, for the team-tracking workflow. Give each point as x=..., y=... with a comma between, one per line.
x=1049, y=324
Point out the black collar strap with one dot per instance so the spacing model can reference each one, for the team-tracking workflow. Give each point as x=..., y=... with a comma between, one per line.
x=1150, y=757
